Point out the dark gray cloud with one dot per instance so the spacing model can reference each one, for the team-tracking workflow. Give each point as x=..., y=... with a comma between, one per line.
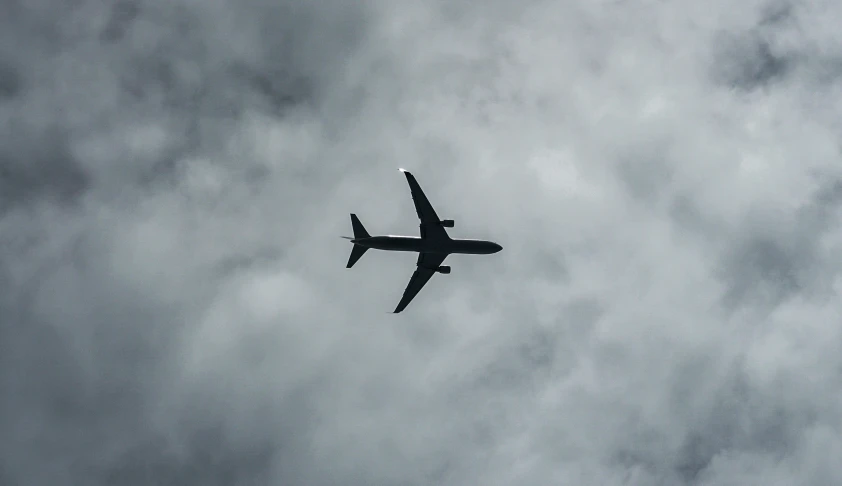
x=747, y=61
x=112, y=114
x=174, y=306
x=39, y=163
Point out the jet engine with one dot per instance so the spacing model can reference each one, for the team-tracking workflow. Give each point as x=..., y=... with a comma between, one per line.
x=443, y=269
x=447, y=223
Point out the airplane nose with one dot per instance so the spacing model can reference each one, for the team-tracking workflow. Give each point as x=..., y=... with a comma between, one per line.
x=497, y=247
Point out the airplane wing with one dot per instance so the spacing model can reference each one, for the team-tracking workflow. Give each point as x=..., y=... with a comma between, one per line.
x=429, y=219
x=426, y=267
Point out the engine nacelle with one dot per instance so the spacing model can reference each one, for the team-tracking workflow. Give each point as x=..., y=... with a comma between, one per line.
x=443, y=269
x=447, y=223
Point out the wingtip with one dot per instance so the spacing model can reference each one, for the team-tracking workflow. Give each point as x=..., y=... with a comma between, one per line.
x=401, y=169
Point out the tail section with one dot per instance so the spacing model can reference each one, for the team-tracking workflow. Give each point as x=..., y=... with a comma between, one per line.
x=359, y=229
x=359, y=232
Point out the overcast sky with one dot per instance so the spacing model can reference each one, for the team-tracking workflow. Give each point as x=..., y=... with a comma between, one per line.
x=664, y=177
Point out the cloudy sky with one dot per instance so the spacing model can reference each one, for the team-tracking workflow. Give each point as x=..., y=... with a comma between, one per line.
x=664, y=178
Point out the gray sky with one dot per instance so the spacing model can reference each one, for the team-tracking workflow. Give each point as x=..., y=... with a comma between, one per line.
x=664, y=179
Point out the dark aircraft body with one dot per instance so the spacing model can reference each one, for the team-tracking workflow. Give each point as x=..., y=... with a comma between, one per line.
x=433, y=246
x=422, y=245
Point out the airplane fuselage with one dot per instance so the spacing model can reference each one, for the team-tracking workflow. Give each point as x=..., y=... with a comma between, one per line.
x=429, y=245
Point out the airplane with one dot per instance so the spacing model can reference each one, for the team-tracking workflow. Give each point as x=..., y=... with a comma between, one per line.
x=433, y=246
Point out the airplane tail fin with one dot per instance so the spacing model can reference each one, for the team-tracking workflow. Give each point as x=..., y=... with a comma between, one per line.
x=359, y=232
x=359, y=229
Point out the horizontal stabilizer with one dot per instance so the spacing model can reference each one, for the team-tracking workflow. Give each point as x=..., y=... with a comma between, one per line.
x=359, y=229
x=356, y=253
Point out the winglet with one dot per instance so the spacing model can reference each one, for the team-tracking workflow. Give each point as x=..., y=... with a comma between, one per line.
x=411, y=179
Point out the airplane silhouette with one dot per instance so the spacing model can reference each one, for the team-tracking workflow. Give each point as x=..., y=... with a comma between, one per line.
x=432, y=246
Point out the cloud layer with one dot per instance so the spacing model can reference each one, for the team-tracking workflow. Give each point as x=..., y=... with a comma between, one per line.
x=664, y=179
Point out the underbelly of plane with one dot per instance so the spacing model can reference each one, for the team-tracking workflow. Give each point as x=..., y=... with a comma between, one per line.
x=402, y=243
x=409, y=243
